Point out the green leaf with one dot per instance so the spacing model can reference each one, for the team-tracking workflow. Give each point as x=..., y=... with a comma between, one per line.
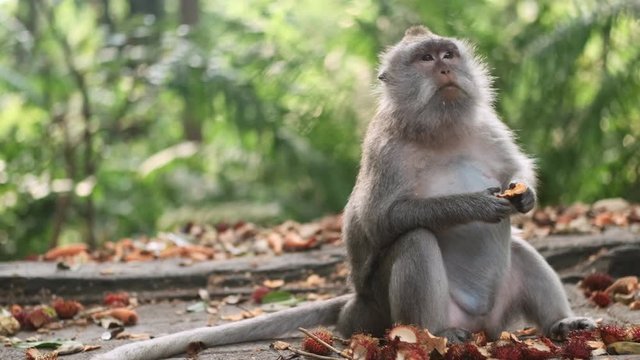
x=280, y=297
x=47, y=344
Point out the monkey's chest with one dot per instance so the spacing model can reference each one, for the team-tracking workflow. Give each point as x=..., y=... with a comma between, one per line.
x=457, y=176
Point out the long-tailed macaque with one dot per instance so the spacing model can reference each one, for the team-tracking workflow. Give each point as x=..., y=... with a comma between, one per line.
x=429, y=243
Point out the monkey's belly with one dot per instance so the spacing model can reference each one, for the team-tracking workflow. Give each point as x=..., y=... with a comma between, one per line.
x=476, y=257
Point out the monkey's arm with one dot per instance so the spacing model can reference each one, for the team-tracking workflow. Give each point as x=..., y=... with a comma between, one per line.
x=521, y=169
x=436, y=213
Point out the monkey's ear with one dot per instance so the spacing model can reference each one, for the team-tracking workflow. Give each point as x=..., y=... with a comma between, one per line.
x=417, y=30
x=382, y=76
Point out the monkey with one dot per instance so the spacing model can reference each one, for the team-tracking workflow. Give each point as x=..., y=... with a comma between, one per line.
x=428, y=242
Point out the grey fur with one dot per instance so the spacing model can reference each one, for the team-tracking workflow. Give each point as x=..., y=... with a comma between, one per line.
x=429, y=244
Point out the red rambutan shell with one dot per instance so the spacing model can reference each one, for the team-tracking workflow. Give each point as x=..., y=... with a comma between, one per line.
x=596, y=282
x=364, y=347
x=576, y=348
x=66, y=309
x=465, y=351
x=311, y=345
x=407, y=351
x=610, y=333
x=634, y=333
x=507, y=352
x=601, y=299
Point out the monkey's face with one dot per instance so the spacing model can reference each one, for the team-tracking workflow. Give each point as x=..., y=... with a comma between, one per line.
x=438, y=66
x=434, y=74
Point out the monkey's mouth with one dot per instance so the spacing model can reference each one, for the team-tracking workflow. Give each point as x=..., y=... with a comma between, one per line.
x=450, y=91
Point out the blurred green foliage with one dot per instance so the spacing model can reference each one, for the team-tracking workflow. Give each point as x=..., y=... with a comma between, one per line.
x=120, y=117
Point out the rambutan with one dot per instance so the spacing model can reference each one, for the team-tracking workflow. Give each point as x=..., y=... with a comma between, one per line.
x=390, y=349
x=507, y=351
x=409, y=351
x=596, y=282
x=550, y=344
x=531, y=353
x=585, y=335
x=311, y=345
x=405, y=333
x=116, y=299
x=66, y=309
x=601, y=298
x=364, y=347
x=610, y=333
x=575, y=348
x=634, y=333
x=465, y=351
x=39, y=316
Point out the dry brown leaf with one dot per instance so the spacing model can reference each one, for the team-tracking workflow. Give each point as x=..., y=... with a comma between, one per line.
x=294, y=242
x=65, y=251
x=432, y=342
x=133, y=336
x=280, y=345
x=315, y=280
x=276, y=242
x=126, y=316
x=273, y=284
x=624, y=285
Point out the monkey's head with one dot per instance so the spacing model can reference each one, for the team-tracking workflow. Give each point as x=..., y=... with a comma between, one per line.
x=429, y=74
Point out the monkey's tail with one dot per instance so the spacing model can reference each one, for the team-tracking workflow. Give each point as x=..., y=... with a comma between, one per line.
x=259, y=328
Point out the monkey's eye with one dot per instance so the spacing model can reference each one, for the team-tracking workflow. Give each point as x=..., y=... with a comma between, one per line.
x=427, y=57
x=448, y=55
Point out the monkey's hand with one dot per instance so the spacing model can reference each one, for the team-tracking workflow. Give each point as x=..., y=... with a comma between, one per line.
x=523, y=202
x=492, y=208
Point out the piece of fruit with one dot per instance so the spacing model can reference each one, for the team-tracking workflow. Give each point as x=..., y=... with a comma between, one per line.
x=313, y=346
x=364, y=347
x=515, y=189
x=405, y=333
x=66, y=309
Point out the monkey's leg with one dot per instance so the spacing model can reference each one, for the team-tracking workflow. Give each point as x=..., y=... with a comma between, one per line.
x=534, y=287
x=363, y=315
x=417, y=287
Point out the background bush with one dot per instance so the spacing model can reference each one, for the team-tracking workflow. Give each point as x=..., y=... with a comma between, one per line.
x=122, y=117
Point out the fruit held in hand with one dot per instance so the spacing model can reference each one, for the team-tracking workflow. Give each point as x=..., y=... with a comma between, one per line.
x=514, y=190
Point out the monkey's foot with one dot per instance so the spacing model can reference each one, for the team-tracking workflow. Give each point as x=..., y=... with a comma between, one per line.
x=563, y=327
x=456, y=335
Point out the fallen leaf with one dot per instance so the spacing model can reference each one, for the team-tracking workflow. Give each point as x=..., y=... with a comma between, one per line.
x=193, y=348
x=133, y=336
x=126, y=316
x=273, y=284
x=279, y=296
x=70, y=347
x=624, y=348
x=231, y=299
x=65, y=251
x=624, y=285
x=8, y=324
x=432, y=342
x=315, y=280
x=200, y=306
x=280, y=345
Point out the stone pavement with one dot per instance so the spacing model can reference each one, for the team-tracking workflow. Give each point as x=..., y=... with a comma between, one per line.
x=166, y=288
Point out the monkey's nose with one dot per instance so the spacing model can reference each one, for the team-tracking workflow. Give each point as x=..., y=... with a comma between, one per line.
x=444, y=72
